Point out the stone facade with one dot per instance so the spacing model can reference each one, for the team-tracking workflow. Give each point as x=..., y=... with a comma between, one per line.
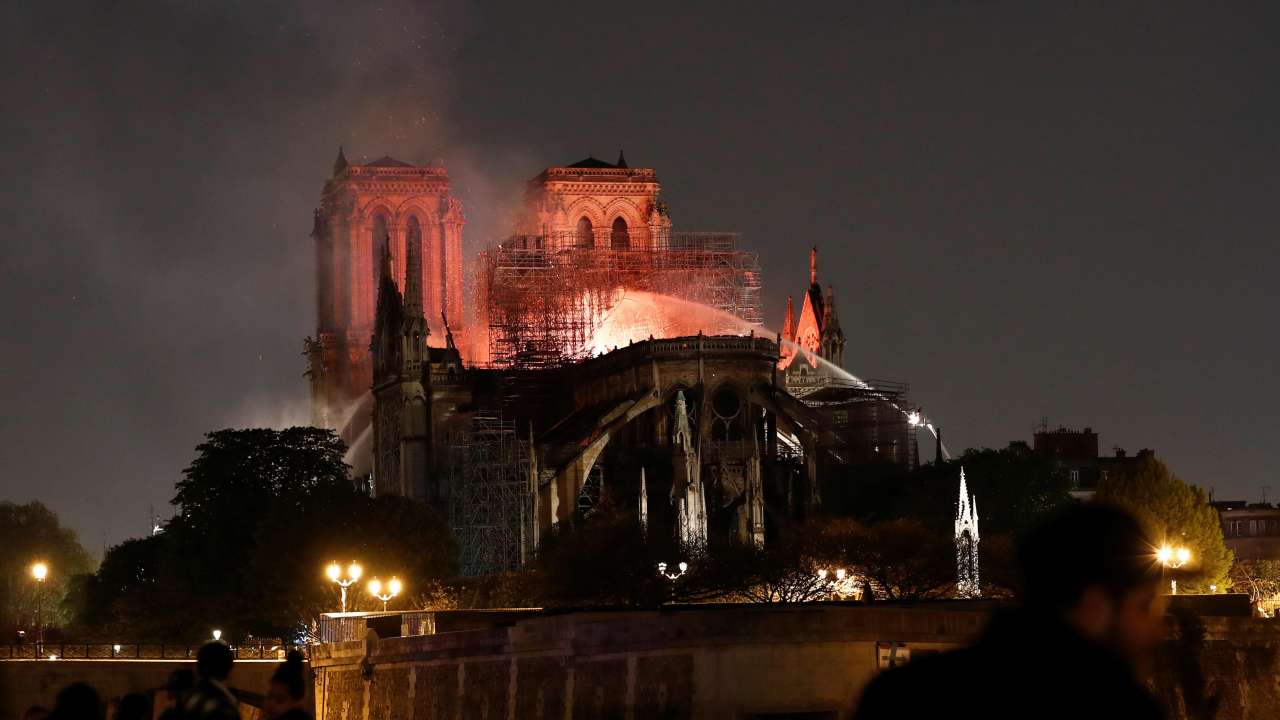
x=595, y=204
x=726, y=663
x=383, y=207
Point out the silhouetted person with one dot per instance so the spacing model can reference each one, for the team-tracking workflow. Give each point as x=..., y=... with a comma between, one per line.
x=134, y=706
x=1090, y=620
x=77, y=701
x=211, y=699
x=180, y=684
x=287, y=692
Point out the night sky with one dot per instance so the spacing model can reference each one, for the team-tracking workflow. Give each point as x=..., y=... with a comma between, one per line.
x=1026, y=211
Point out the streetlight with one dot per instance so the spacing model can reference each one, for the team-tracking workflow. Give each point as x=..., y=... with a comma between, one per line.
x=840, y=583
x=393, y=589
x=39, y=571
x=1173, y=558
x=217, y=635
x=334, y=571
x=662, y=570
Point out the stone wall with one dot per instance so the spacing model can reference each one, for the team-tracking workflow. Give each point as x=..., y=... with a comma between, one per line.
x=707, y=662
x=726, y=662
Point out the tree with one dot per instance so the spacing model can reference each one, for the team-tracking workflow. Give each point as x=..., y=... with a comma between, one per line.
x=30, y=533
x=1261, y=579
x=1176, y=513
x=902, y=559
x=262, y=512
x=1014, y=487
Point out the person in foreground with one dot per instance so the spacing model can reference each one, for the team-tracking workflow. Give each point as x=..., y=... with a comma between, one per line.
x=287, y=693
x=1088, y=625
x=211, y=699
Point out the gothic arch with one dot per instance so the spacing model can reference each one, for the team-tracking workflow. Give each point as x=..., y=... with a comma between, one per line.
x=585, y=207
x=584, y=233
x=619, y=234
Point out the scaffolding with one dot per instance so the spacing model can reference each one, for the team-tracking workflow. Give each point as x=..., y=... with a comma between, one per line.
x=543, y=296
x=491, y=501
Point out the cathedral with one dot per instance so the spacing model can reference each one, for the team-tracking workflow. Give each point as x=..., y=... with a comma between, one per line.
x=511, y=418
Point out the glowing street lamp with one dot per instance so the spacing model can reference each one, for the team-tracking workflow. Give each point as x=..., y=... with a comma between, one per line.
x=334, y=571
x=39, y=571
x=1174, y=558
x=662, y=570
x=392, y=590
x=217, y=635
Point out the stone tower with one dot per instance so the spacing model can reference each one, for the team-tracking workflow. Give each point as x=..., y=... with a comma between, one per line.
x=596, y=204
x=363, y=209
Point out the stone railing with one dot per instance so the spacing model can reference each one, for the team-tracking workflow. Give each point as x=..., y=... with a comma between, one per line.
x=134, y=651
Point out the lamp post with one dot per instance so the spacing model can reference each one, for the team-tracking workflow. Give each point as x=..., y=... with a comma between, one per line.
x=392, y=590
x=39, y=571
x=673, y=576
x=1174, y=558
x=334, y=571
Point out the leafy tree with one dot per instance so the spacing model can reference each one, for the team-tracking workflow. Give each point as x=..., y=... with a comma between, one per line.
x=1176, y=513
x=262, y=512
x=1014, y=487
x=30, y=533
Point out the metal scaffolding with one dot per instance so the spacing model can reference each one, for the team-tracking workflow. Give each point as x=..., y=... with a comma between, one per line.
x=543, y=296
x=491, y=498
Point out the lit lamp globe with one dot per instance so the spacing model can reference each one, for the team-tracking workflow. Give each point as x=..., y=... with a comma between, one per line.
x=394, y=586
x=375, y=587
x=353, y=571
x=39, y=571
x=334, y=571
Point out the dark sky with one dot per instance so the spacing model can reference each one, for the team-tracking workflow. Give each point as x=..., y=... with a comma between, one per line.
x=1026, y=211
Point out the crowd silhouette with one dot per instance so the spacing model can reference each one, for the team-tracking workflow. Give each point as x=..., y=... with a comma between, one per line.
x=203, y=694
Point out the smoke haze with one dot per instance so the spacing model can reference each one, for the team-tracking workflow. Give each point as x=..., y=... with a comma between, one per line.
x=1026, y=210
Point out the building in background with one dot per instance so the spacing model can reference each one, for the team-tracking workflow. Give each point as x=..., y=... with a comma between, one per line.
x=1250, y=530
x=1075, y=452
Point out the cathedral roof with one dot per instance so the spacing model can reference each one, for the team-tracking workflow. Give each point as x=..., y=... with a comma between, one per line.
x=388, y=161
x=592, y=162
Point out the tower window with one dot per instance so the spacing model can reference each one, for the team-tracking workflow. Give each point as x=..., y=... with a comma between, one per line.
x=586, y=236
x=620, y=237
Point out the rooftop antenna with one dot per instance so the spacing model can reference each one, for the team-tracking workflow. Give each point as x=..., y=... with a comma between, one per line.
x=1265, y=488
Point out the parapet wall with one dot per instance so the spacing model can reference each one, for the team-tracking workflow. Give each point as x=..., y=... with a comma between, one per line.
x=723, y=662
x=704, y=662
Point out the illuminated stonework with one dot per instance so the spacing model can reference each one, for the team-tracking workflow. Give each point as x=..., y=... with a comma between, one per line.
x=362, y=209
x=967, y=581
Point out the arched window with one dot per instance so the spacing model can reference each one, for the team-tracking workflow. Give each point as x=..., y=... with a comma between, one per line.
x=379, y=245
x=620, y=238
x=586, y=236
x=413, y=255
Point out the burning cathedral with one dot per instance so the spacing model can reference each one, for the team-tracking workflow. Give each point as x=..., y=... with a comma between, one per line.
x=602, y=354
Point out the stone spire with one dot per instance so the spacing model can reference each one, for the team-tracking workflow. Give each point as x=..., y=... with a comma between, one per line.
x=644, y=503
x=966, y=527
x=813, y=265
x=789, y=322
x=686, y=486
x=340, y=163
x=622, y=160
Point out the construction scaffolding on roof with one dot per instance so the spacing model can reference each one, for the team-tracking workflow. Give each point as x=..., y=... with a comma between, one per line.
x=491, y=498
x=542, y=297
